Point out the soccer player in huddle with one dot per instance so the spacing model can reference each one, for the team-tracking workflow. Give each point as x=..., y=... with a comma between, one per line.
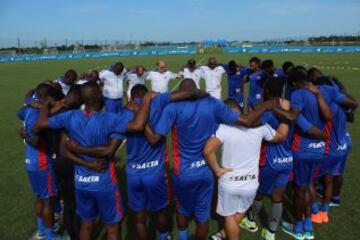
x=191, y=71
x=113, y=87
x=191, y=124
x=66, y=81
x=137, y=76
x=238, y=174
x=96, y=184
x=39, y=165
x=212, y=74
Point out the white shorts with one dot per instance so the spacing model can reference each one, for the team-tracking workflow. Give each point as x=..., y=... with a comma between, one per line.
x=232, y=199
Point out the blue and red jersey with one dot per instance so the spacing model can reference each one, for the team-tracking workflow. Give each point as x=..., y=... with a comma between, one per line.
x=277, y=155
x=39, y=157
x=192, y=124
x=142, y=158
x=92, y=129
x=236, y=82
x=337, y=143
x=306, y=102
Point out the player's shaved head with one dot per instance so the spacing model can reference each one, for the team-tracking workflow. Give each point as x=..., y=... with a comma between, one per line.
x=91, y=95
x=287, y=67
x=233, y=104
x=314, y=73
x=232, y=66
x=161, y=66
x=273, y=88
x=138, y=91
x=70, y=77
x=73, y=99
x=297, y=78
x=42, y=90
x=187, y=84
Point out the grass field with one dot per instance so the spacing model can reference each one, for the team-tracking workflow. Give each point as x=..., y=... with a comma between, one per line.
x=17, y=220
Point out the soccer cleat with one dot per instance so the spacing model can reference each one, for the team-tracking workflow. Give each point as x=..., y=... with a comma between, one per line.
x=324, y=216
x=217, y=236
x=246, y=224
x=40, y=235
x=267, y=235
x=317, y=218
x=309, y=235
x=334, y=204
x=289, y=229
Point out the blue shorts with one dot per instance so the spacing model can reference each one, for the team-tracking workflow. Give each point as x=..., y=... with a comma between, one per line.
x=107, y=204
x=43, y=183
x=304, y=170
x=193, y=195
x=333, y=166
x=148, y=192
x=113, y=105
x=269, y=179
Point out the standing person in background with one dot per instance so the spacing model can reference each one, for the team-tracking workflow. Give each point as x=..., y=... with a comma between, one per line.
x=286, y=69
x=67, y=80
x=212, y=73
x=235, y=76
x=113, y=89
x=191, y=71
x=160, y=78
x=134, y=78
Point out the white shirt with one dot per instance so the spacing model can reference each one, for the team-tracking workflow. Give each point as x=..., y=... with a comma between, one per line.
x=133, y=79
x=213, y=79
x=64, y=87
x=241, y=152
x=160, y=81
x=81, y=82
x=113, y=84
x=195, y=75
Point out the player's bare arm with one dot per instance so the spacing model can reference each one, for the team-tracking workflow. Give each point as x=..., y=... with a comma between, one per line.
x=210, y=156
x=324, y=108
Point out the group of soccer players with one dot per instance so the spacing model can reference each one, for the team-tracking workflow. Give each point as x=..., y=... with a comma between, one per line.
x=293, y=135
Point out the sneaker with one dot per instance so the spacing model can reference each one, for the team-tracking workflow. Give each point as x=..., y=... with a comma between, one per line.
x=40, y=235
x=317, y=218
x=217, y=236
x=267, y=235
x=324, y=216
x=289, y=229
x=334, y=204
x=309, y=235
x=246, y=224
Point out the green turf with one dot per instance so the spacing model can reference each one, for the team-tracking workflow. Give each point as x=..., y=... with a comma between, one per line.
x=17, y=220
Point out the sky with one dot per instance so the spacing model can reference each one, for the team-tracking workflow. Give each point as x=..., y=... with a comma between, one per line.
x=173, y=20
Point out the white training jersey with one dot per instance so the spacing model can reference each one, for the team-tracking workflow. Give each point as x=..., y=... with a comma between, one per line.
x=241, y=152
x=213, y=79
x=160, y=81
x=64, y=87
x=113, y=84
x=195, y=75
x=133, y=79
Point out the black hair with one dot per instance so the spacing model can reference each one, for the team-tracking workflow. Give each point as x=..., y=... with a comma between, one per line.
x=268, y=63
x=138, y=91
x=191, y=62
x=314, y=73
x=70, y=74
x=323, y=81
x=119, y=65
x=300, y=68
x=187, y=84
x=55, y=94
x=287, y=65
x=91, y=93
x=42, y=90
x=255, y=59
x=274, y=86
x=232, y=66
x=297, y=75
x=232, y=103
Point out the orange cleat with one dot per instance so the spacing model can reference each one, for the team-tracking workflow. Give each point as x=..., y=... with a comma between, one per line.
x=324, y=216
x=317, y=218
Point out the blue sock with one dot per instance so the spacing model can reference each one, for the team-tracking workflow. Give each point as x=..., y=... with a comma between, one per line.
x=325, y=207
x=299, y=227
x=308, y=225
x=49, y=234
x=315, y=208
x=335, y=198
x=163, y=236
x=40, y=225
x=183, y=235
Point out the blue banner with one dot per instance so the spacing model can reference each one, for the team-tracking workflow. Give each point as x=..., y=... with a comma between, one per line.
x=355, y=49
x=124, y=53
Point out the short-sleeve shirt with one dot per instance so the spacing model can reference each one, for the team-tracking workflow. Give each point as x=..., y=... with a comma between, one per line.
x=192, y=123
x=212, y=78
x=241, y=152
x=113, y=84
x=306, y=102
x=143, y=158
x=133, y=79
x=160, y=81
x=235, y=82
x=277, y=155
x=195, y=75
x=89, y=130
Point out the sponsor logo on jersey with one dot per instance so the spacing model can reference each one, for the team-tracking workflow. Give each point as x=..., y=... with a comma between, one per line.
x=88, y=179
x=145, y=165
x=342, y=147
x=283, y=160
x=197, y=164
x=243, y=178
x=316, y=145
